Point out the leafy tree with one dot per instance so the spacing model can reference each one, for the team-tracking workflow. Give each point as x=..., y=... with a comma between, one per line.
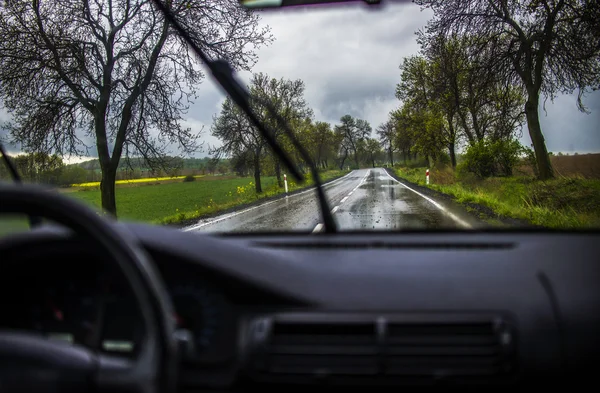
x=550, y=46
x=39, y=167
x=351, y=132
x=387, y=132
x=321, y=143
x=287, y=98
x=239, y=137
x=114, y=71
x=373, y=150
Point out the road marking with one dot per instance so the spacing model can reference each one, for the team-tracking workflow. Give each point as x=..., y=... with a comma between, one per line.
x=335, y=209
x=227, y=216
x=434, y=203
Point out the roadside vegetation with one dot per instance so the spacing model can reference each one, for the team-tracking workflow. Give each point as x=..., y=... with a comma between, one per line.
x=568, y=201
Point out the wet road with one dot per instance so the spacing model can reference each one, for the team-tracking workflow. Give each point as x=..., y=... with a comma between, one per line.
x=366, y=199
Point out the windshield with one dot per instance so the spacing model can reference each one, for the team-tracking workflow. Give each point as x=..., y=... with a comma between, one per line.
x=416, y=116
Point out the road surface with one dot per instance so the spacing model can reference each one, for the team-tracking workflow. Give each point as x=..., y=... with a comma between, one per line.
x=365, y=199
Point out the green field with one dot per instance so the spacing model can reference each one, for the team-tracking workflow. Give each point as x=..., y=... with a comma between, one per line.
x=171, y=203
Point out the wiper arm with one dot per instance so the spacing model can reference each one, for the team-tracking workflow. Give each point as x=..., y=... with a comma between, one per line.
x=223, y=73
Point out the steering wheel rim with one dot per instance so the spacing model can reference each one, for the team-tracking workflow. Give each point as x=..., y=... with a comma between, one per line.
x=154, y=369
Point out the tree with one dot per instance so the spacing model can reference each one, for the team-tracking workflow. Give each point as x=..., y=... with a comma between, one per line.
x=39, y=167
x=240, y=138
x=386, y=132
x=286, y=98
x=114, y=71
x=550, y=46
x=351, y=131
x=321, y=143
x=373, y=150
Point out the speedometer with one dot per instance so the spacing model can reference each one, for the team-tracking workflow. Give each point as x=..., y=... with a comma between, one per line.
x=197, y=310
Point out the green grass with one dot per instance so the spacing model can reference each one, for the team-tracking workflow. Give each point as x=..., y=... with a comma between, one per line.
x=171, y=203
x=561, y=203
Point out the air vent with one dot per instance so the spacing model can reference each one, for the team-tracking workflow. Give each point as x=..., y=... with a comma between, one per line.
x=447, y=349
x=319, y=348
x=388, y=349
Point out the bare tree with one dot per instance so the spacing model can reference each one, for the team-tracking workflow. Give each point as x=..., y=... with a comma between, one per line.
x=550, y=46
x=112, y=71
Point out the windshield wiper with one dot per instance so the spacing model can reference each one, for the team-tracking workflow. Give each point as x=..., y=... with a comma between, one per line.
x=223, y=73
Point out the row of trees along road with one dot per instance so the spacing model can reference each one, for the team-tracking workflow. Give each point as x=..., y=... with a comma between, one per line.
x=328, y=146
x=485, y=64
x=114, y=74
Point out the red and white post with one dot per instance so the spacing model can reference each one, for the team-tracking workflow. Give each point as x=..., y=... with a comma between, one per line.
x=285, y=183
x=427, y=176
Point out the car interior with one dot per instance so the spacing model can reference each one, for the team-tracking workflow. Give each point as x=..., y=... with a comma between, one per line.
x=92, y=304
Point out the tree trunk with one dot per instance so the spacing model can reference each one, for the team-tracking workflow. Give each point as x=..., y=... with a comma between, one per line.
x=343, y=160
x=278, y=173
x=452, y=151
x=372, y=160
x=391, y=153
x=356, y=159
x=257, y=185
x=107, y=190
x=544, y=165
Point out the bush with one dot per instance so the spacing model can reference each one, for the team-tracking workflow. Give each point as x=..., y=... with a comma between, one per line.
x=491, y=158
x=189, y=178
x=442, y=161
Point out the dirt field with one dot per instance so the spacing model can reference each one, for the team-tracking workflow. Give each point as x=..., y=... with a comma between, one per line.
x=585, y=165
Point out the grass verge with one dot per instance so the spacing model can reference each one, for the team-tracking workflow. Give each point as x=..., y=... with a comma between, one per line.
x=561, y=203
x=173, y=203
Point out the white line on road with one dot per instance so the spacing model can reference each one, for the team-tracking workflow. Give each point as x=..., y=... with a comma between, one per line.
x=335, y=209
x=434, y=203
x=227, y=216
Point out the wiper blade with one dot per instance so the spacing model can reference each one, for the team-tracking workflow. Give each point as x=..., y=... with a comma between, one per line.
x=223, y=73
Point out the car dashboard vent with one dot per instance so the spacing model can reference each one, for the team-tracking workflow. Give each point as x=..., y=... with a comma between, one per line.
x=382, y=349
x=444, y=349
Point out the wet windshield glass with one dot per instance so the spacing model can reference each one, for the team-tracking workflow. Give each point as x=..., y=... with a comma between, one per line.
x=417, y=116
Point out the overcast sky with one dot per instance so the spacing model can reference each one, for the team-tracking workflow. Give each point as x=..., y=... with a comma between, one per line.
x=348, y=57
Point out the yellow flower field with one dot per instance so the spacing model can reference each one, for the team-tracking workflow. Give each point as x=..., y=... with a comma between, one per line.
x=132, y=181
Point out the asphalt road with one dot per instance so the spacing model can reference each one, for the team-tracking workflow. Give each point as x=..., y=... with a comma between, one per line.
x=366, y=199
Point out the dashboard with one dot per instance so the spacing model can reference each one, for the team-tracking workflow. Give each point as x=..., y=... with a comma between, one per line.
x=289, y=311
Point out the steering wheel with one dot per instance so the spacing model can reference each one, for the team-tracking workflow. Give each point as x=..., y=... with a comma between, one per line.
x=30, y=363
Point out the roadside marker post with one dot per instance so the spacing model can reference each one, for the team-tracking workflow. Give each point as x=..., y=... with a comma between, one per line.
x=285, y=184
x=427, y=176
